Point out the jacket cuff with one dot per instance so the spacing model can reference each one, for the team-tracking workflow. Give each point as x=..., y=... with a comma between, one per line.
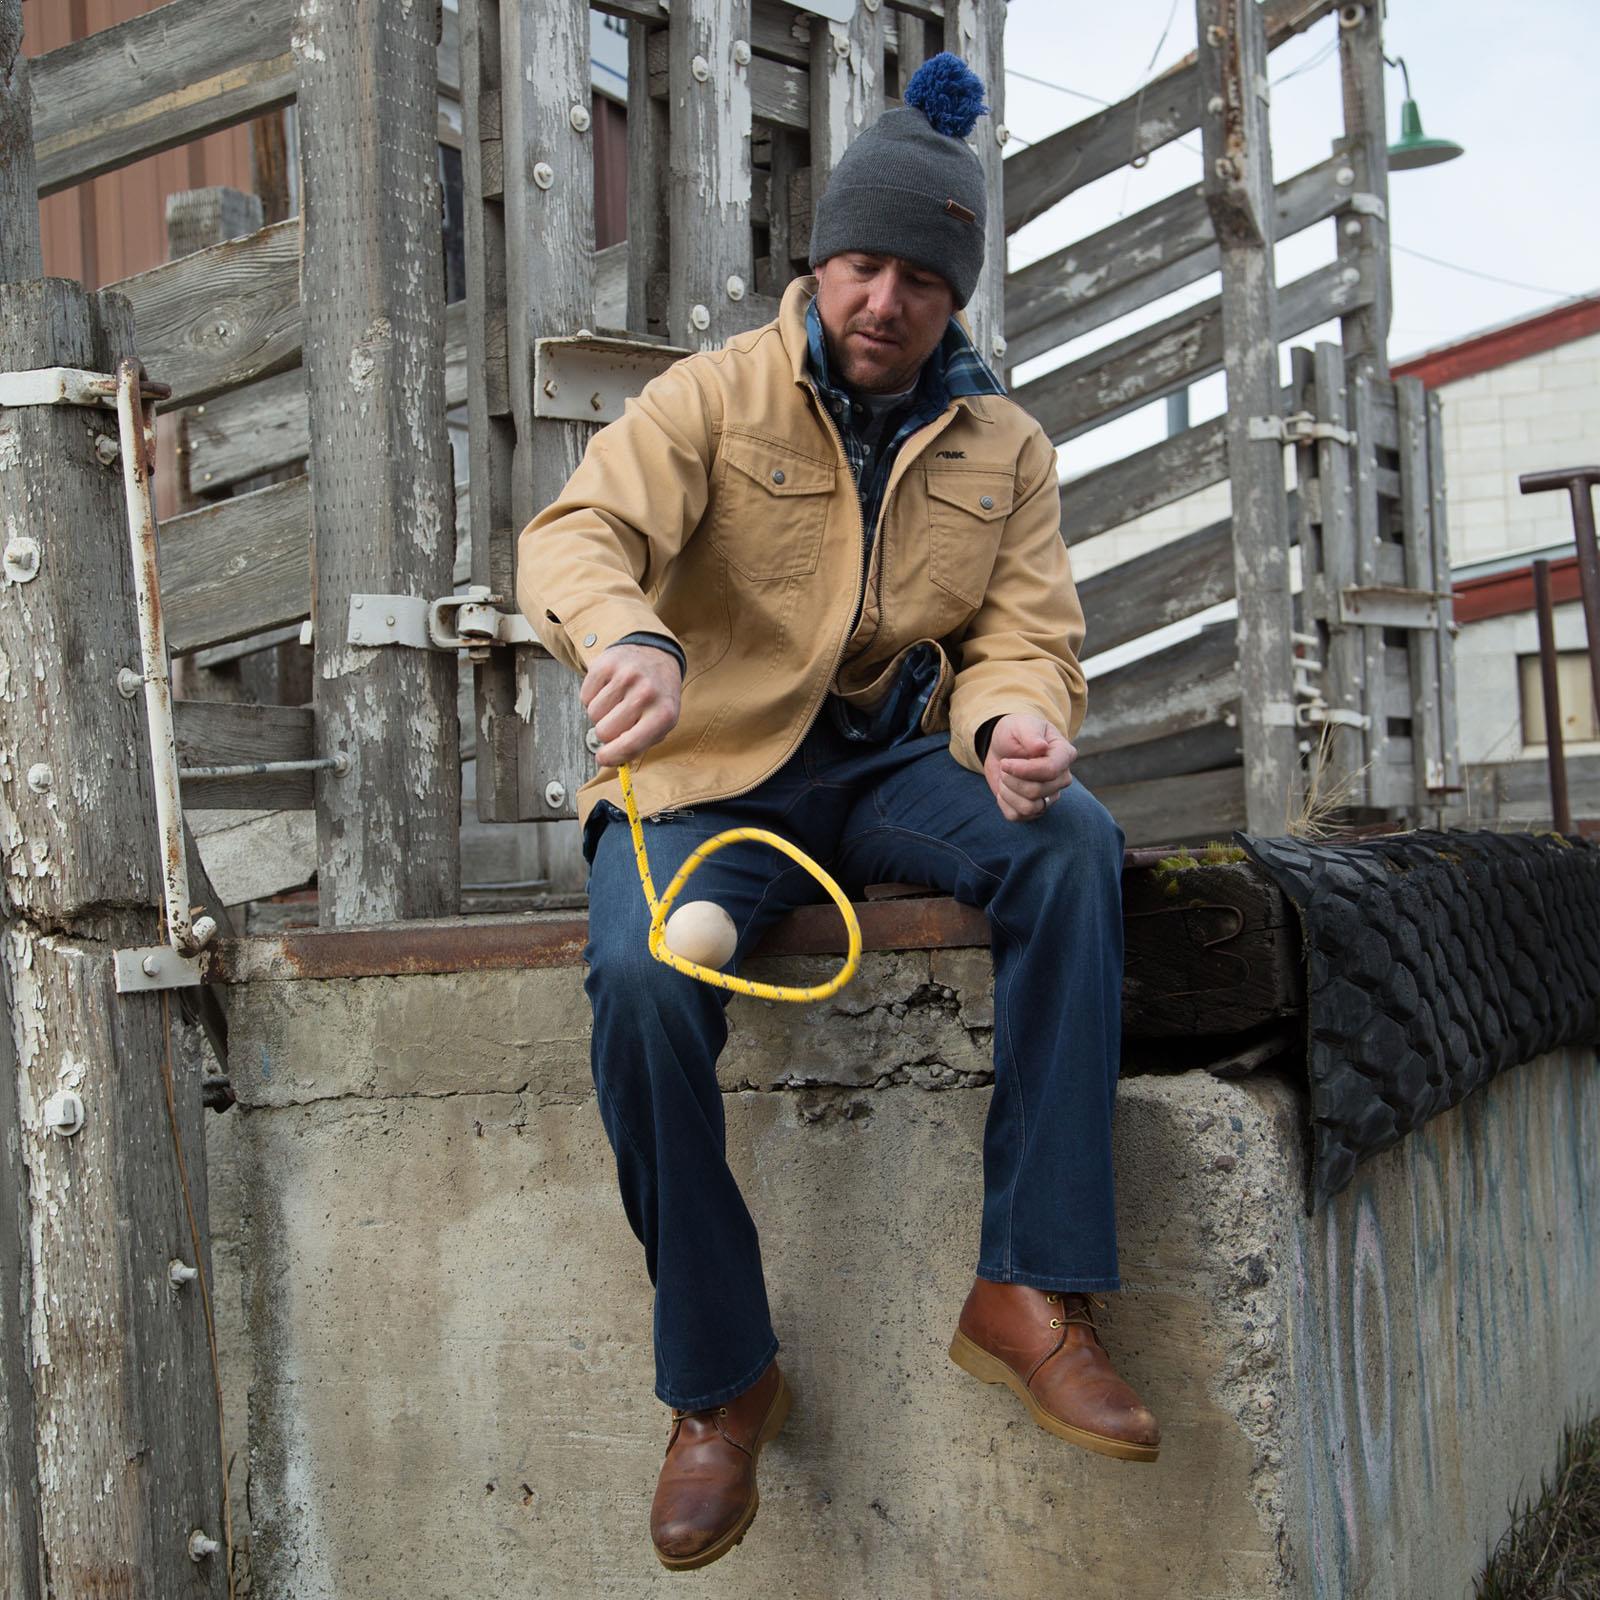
x=657, y=641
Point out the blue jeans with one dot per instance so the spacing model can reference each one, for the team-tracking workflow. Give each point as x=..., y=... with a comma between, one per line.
x=871, y=811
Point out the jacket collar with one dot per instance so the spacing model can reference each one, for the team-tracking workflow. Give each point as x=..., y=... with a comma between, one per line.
x=962, y=372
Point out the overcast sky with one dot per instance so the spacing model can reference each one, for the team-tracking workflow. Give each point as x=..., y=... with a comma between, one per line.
x=1514, y=84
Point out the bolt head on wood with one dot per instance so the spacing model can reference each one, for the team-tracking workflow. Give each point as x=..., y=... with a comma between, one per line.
x=735, y=287
x=699, y=317
x=543, y=174
x=40, y=777
x=702, y=932
x=700, y=69
x=22, y=559
x=555, y=795
x=63, y=1113
x=741, y=52
x=578, y=116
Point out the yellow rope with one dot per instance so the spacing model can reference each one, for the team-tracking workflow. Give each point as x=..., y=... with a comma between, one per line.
x=723, y=980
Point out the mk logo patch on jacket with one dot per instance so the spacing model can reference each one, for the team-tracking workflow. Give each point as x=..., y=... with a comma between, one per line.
x=951, y=455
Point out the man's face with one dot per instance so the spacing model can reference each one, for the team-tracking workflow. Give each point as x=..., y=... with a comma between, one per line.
x=882, y=316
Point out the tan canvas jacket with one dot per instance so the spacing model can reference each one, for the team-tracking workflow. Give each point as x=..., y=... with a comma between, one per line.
x=720, y=510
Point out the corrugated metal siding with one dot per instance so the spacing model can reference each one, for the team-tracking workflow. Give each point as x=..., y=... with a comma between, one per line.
x=115, y=226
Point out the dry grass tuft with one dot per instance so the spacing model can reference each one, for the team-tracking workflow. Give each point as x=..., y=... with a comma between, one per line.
x=1551, y=1551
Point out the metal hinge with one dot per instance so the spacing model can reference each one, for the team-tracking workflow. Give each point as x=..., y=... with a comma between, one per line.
x=1300, y=427
x=467, y=621
x=1390, y=606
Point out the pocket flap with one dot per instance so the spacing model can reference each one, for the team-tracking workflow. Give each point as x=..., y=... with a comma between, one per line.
x=984, y=495
x=778, y=470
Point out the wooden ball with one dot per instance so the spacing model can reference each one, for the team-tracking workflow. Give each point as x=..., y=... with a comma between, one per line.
x=701, y=931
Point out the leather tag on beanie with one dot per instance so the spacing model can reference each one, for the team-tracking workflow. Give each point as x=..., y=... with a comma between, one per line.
x=956, y=209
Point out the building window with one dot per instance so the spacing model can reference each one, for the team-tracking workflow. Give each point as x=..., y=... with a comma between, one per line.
x=1578, y=719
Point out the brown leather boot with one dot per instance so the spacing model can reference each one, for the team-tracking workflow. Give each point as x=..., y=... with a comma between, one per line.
x=1046, y=1347
x=706, y=1496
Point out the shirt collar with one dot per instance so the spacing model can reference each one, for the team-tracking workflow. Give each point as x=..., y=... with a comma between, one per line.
x=953, y=370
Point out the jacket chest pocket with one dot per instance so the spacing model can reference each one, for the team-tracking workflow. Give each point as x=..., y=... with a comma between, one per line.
x=967, y=511
x=769, y=508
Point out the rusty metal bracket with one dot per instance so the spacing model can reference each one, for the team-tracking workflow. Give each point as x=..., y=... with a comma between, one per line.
x=70, y=386
x=155, y=966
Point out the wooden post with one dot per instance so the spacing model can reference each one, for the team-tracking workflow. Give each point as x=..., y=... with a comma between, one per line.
x=383, y=504
x=711, y=267
x=1328, y=563
x=1238, y=190
x=19, y=183
x=1445, y=641
x=1364, y=233
x=977, y=32
x=124, y=1422
x=846, y=87
x=549, y=211
x=647, y=191
x=1416, y=511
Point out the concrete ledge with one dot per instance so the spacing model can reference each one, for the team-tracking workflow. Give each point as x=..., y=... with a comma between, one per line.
x=447, y=1322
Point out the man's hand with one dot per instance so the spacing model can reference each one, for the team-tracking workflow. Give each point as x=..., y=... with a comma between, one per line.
x=1028, y=764
x=632, y=695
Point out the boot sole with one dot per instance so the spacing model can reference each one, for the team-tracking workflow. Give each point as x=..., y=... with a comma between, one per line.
x=973, y=1358
x=776, y=1417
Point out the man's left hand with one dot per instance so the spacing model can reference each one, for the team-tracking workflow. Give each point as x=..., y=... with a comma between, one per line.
x=1029, y=763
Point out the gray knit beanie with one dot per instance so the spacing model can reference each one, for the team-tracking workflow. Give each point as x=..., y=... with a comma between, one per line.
x=910, y=186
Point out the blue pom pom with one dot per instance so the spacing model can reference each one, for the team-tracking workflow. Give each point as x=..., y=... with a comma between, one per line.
x=948, y=93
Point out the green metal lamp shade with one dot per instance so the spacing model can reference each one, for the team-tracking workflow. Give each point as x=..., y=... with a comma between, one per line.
x=1414, y=148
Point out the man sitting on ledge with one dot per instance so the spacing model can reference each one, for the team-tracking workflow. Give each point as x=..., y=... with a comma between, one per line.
x=818, y=575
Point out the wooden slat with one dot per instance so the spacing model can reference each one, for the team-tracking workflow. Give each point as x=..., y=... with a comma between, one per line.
x=20, y=259
x=1332, y=560
x=1202, y=749
x=1183, y=810
x=648, y=183
x=779, y=30
x=261, y=426
x=845, y=83
x=1187, y=685
x=237, y=567
x=1138, y=260
x=185, y=69
x=778, y=92
x=1174, y=581
x=1365, y=330
x=221, y=317
x=1144, y=481
x=213, y=733
x=1168, y=356
x=1364, y=490
x=1036, y=178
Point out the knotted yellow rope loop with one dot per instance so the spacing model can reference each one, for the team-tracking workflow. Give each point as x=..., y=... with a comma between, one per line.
x=724, y=980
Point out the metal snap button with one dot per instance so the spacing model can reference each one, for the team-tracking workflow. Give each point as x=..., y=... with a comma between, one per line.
x=777, y=474
x=987, y=502
x=589, y=639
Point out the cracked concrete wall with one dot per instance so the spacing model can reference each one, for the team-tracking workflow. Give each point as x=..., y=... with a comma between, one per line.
x=447, y=1321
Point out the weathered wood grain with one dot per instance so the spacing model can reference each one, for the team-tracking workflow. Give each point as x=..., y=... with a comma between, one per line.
x=382, y=490
x=19, y=207
x=976, y=32
x=1364, y=331
x=846, y=84
x=260, y=426
x=549, y=293
x=1186, y=685
x=778, y=92
x=198, y=218
x=1142, y=258
x=1380, y=773
x=181, y=70
x=1203, y=749
x=1191, y=809
x=1154, y=115
x=124, y=1417
x=220, y=733
x=237, y=567
x=1238, y=189
x=1328, y=565
x=1168, y=356
x=1148, y=479
x=221, y=317
x=65, y=635
x=491, y=434
x=648, y=143
x=711, y=268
